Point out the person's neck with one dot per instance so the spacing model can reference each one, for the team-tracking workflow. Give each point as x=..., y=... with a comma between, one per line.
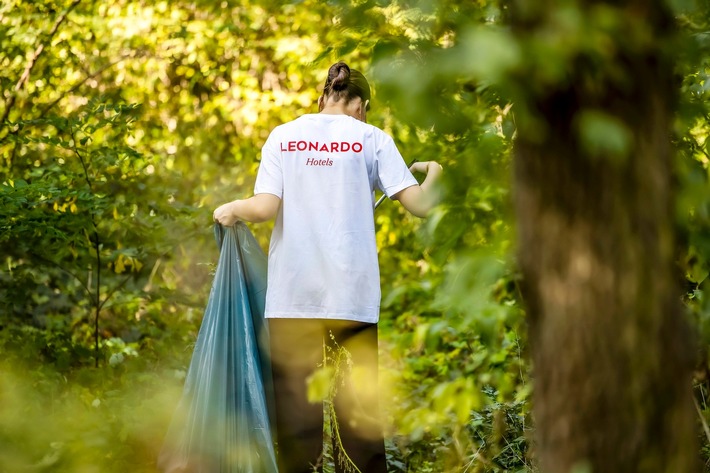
x=334, y=109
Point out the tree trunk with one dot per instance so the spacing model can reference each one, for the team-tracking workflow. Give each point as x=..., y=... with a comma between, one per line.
x=611, y=350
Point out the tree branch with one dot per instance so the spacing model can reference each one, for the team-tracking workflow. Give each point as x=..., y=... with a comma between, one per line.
x=114, y=290
x=98, y=72
x=704, y=423
x=97, y=247
x=86, y=171
x=54, y=263
x=33, y=60
x=51, y=105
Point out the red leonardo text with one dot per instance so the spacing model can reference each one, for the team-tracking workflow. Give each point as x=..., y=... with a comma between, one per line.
x=332, y=147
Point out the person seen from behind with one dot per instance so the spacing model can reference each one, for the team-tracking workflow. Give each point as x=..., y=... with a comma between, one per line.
x=317, y=178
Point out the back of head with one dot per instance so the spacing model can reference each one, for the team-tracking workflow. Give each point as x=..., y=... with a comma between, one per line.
x=345, y=83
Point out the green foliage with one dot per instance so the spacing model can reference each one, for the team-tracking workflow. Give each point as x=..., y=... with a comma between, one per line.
x=124, y=123
x=693, y=207
x=89, y=212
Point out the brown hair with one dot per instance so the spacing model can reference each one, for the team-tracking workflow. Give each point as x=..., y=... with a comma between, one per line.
x=346, y=83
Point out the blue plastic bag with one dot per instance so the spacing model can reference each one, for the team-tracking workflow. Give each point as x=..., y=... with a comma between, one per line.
x=222, y=422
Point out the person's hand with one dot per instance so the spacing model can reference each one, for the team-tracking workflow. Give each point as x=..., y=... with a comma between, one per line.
x=420, y=199
x=424, y=166
x=224, y=214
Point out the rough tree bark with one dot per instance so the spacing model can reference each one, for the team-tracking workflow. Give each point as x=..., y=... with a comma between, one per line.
x=610, y=347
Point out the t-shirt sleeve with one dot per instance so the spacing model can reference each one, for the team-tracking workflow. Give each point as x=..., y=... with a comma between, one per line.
x=393, y=175
x=269, y=178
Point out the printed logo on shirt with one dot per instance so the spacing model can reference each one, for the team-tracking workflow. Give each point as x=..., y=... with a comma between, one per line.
x=319, y=162
x=332, y=147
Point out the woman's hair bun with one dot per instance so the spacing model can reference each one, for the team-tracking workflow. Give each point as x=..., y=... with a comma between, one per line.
x=339, y=76
x=345, y=83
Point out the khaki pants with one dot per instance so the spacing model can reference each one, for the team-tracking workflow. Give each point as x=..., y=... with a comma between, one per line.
x=296, y=353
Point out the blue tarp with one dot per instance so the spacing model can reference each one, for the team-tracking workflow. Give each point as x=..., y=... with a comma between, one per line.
x=222, y=422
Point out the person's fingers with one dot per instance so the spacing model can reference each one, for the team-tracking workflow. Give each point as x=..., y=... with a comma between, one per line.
x=221, y=215
x=419, y=167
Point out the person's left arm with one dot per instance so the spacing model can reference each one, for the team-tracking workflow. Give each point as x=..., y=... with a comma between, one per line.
x=398, y=182
x=420, y=199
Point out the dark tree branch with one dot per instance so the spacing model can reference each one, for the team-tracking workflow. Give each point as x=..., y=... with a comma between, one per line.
x=97, y=247
x=85, y=167
x=97, y=250
x=62, y=268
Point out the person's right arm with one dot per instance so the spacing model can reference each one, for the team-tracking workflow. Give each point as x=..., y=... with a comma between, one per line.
x=420, y=199
x=259, y=208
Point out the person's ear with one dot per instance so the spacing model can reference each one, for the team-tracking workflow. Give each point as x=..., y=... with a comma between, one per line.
x=363, y=110
x=321, y=103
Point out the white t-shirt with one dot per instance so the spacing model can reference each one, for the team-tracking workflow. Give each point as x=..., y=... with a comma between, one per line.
x=323, y=254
